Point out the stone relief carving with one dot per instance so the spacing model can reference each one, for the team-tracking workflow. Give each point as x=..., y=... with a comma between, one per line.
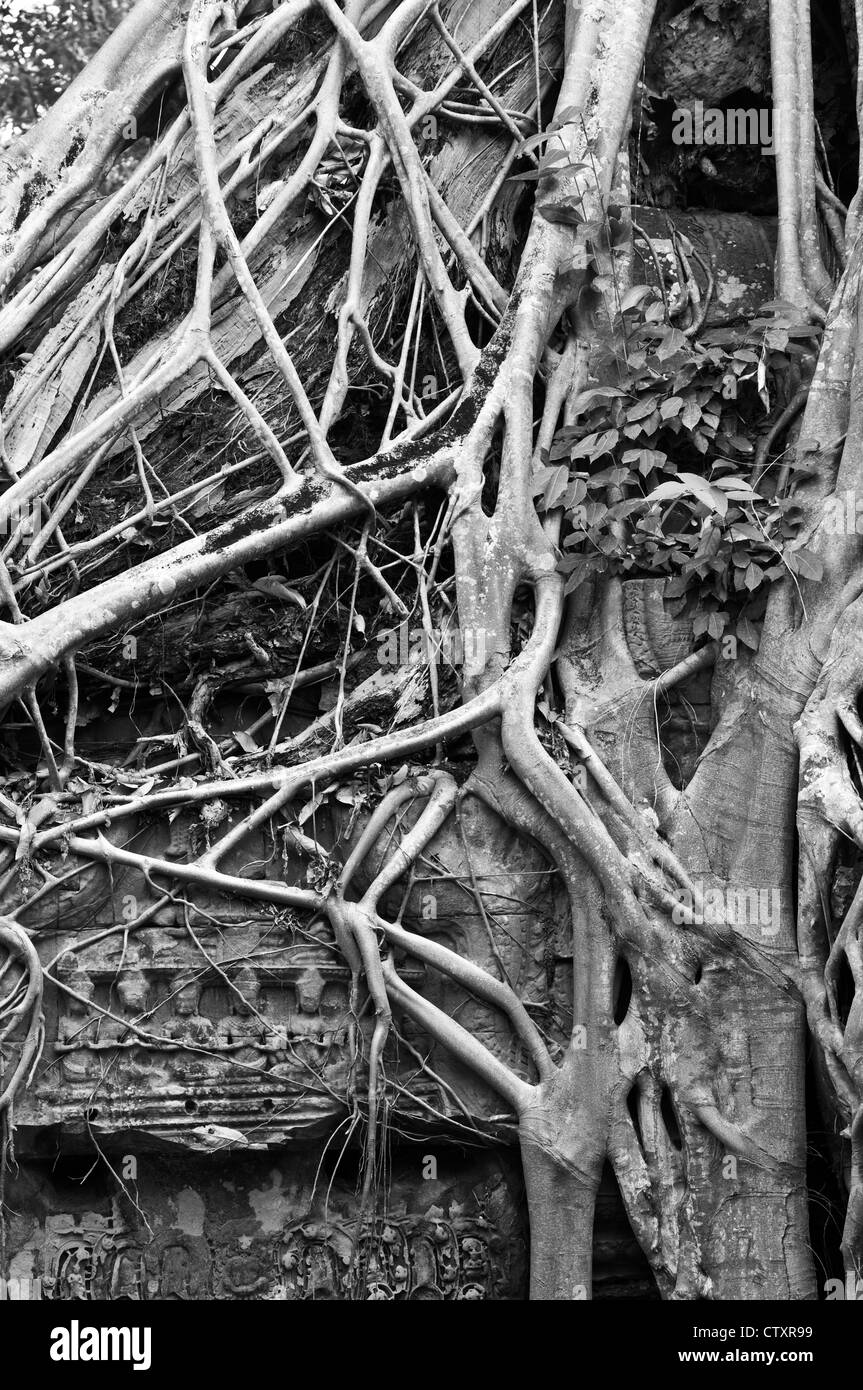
x=418, y=1258
x=413, y=1258
x=287, y=1023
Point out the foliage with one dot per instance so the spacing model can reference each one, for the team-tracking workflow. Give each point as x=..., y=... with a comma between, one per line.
x=42, y=47
x=655, y=477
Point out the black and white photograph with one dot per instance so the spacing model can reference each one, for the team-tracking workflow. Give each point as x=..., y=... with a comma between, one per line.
x=431, y=671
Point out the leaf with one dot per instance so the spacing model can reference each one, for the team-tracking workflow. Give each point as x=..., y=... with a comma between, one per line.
x=672, y=342
x=551, y=484
x=645, y=459
x=737, y=488
x=762, y=382
x=270, y=584
x=575, y=493
x=311, y=806
x=557, y=156
x=589, y=564
x=566, y=117
x=613, y=476
x=593, y=445
x=808, y=564
x=246, y=742
x=711, y=496
x=547, y=712
x=533, y=142
x=641, y=409
x=620, y=510
x=785, y=308
x=564, y=211
x=585, y=399
x=665, y=491
x=634, y=296
x=741, y=445
x=754, y=576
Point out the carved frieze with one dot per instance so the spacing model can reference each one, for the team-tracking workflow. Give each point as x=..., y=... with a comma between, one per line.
x=263, y=1232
